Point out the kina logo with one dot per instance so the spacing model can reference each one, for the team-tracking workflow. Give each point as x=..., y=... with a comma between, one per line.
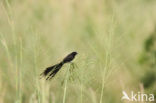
x=142, y=97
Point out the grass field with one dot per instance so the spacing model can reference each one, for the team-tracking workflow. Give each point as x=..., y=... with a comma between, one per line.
x=110, y=36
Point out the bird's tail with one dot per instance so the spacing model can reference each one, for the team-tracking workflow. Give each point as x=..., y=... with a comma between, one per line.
x=51, y=71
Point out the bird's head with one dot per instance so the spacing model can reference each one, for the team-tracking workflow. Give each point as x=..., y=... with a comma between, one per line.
x=74, y=53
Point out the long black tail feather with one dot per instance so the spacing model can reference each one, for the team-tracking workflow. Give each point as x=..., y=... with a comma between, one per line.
x=51, y=71
x=47, y=70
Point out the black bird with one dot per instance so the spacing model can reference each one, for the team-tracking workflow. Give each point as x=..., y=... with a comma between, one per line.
x=51, y=71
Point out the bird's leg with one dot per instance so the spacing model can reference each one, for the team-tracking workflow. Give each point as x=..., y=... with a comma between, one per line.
x=71, y=71
x=75, y=66
x=72, y=64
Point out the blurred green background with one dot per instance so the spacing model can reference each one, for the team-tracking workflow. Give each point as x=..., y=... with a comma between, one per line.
x=115, y=41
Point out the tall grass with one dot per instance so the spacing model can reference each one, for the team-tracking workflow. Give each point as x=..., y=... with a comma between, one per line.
x=108, y=36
